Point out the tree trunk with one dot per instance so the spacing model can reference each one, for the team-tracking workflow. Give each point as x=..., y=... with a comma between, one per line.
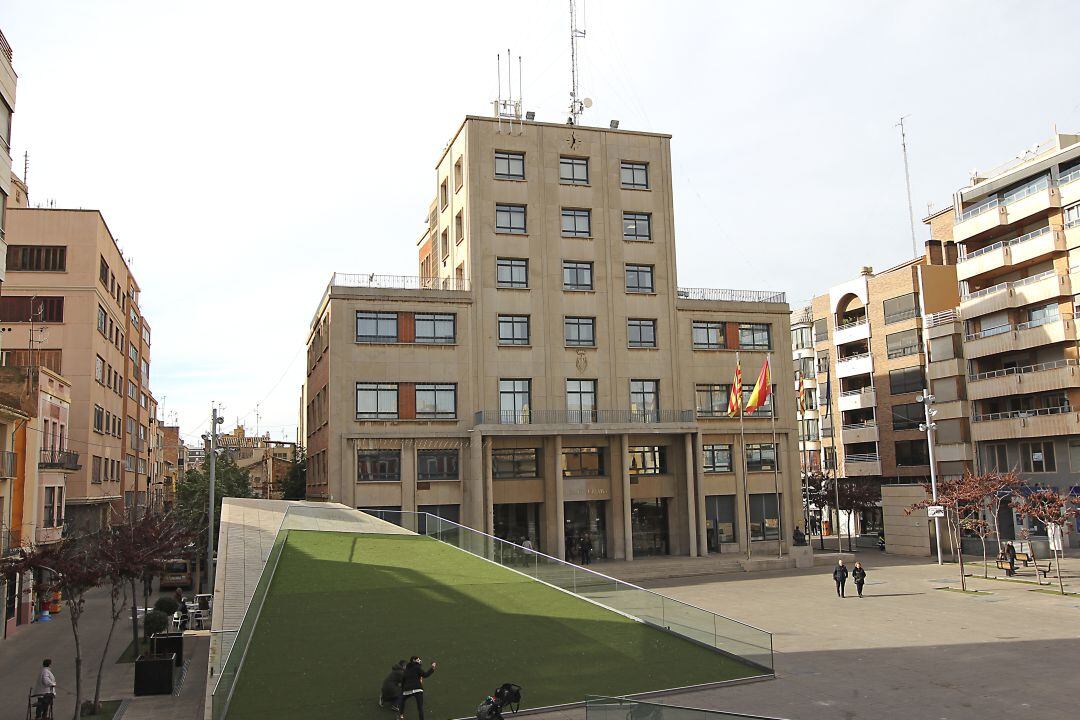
x=986, y=570
x=116, y=611
x=135, y=619
x=78, y=660
x=1057, y=562
x=1031, y=554
x=995, y=508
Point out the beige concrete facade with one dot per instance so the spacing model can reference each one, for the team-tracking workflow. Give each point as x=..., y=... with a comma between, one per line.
x=559, y=389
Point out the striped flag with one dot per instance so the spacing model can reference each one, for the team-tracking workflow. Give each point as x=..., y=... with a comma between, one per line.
x=800, y=391
x=762, y=389
x=828, y=388
x=734, y=403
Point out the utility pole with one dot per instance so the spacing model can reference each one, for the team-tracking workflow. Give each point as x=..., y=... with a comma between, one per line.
x=907, y=180
x=929, y=427
x=212, y=441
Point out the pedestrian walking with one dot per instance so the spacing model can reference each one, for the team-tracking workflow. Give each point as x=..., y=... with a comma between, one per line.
x=147, y=583
x=839, y=574
x=527, y=544
x=858, y=574
x=586, y=549
x=412, y=685
x=571, y=546
x=1010, y=557
x=390, y=692
x=45, y=689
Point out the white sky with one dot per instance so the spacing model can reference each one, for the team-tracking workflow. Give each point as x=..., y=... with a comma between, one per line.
x=242, y=151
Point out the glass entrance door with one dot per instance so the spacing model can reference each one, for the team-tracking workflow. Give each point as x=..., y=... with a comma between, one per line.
x=719, y=520
x=585, y=518
x=649, y=523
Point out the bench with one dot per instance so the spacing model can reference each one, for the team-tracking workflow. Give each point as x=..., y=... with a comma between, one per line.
x=1045, y=572
x=1023, y=557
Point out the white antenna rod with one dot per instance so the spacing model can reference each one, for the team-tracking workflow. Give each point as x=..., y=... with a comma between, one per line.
x=576, y=105
x=510, y=84
x=907, y=180
x=521, y=102
x=498, y=96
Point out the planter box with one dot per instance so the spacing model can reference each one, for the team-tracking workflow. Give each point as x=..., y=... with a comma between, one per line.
x=168, y=643
x=154, y=674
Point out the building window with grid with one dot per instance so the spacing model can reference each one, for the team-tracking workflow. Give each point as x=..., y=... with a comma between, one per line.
x=908, y=416
x=639, y=279
x=645, y=397
x=376, y=401
x=436, y=465
x=717, y=458
x=905, y=380
x=510, y=219
x=583, y=462
x=509, y=165
x=808, y=430
x=436, y=400
x=378, y=465
x=764, y=516
x=821, y=330
x=640, y=333
x=901, y=308
x=514, y=463
x=1038, y=457
x=573, y=170
x=581, y=400
x=766, y=409
x=998, y=456
x=374, y=327
x=577, y=275
x=513, y=329
x=576, y=222
x=637, y=227
x=755, y=336
x=435, y=328
x=512, y=272
x=760, y=457
x=515, y=400
x=37, y=258
x=800, y=338
x=634, y=175
x=708, y=335
x=712, y=400
x=648, y=460
x=911, y=453
x=903, y=343
x=99, y=419
x=579, y=331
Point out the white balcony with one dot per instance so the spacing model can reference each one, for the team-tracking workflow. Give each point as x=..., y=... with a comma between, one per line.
x=1022, y=336
x=972, y=223
x=859, y=433
x=855, y=365
x=1044, y=377
x=1030, y=246
x=1039, y=288
x=953, y=452
x=862, y=465
x=1039, y=201
x=857, y=399
x=852, y=332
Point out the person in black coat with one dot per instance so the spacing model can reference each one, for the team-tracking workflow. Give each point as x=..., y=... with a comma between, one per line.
x=1010, y=557
x=858, y=574
x=390, y=693
x=839, y=574
x=412, y=685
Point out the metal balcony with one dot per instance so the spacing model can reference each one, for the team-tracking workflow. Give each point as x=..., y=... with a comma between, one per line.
x=59, y=460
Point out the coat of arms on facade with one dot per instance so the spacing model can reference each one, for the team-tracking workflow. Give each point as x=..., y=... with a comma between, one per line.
x=582, y=361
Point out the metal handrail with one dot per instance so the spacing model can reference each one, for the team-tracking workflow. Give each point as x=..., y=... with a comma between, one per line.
x=903, y=351
x=1024, y=370
x=861, y=321
x=979, y=209
x=1055, y=410
x=1033, y=278
x=399, y=282
x=985, y=291
x=989, y=332
x=63, y=459
x=1039, y=322
x=862, y=458
x=859, y=426
x=1027, y=191
x=723, y=295
x=942, y=318
x=1006, y=243
x=902, y=315
x=857, y=356
x=1068, y=177
x=860, y=391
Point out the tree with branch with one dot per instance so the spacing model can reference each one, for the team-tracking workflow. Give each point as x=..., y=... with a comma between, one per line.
x=958, y=496
x=1054, y=510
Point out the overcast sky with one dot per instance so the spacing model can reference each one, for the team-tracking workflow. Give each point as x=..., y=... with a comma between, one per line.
x=243, y=151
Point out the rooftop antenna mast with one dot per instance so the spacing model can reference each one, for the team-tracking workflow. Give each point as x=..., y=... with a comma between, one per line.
x=907, y=180
x=577, y=104
x=509, y=109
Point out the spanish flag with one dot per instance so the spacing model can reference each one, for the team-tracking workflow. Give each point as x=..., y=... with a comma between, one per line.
x=734, y=402
x=800, y=391
x=762, y=389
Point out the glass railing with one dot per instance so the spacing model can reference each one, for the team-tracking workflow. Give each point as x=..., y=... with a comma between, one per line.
x=1068, y=177
x=598, y=707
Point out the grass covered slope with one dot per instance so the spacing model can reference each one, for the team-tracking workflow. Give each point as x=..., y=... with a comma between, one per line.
x=342, y=608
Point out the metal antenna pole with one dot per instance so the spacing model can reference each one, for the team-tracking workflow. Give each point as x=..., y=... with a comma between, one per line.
x=576, y=106
x=214, y=420
x=907, y=180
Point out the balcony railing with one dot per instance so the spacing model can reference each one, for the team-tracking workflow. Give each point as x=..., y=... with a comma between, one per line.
x=1039, y=322
x=988, y=332
x=1040, y=367
x=47, y=535
x=859, y=391
x=399, y=282
x=903, y=351
x=942, y=318
x=985, y=291
x=1069, y=177
x=857, y=356
x=763, y=296
x=578, y=417
x=1055, y=410
x=901, y=315
x=979, y=209
x=9, y=462
x=854, y=323
x=859, y=426
x=1006, y=243
x=862, y=458
x=59, y=460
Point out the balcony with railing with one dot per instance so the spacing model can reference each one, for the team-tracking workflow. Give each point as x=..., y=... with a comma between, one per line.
x=859, y=432
x=1038, y=195
x=1012, y=251
x=47, y=535
x=512, y=418
x=1014, y=424
x=862, y=465
x=1041, y=377
x=1022, y=336
x=724, y=295
x=1069, y=187
x=857, y=364
x=858, y=399
x=398, y=282
x=9, y=464
x=852, y=331
x=52, y=459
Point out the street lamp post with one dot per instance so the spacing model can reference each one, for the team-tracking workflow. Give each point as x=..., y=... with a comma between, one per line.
x=211, y=439
x=929, y=427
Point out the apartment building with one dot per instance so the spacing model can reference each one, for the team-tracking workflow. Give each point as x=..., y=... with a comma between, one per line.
x=805, y=367
x=72, y=304
x=544, y=375
x=266, y=461
x=861, y=350
x=1018, y=231
x=172, y=459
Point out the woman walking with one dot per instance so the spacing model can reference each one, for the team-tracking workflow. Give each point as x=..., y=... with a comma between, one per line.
x=858, y=574
x=412, y=685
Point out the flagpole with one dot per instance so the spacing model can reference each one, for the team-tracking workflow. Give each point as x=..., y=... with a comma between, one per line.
x=776, y=467
x=746, y=468
x=804, y=451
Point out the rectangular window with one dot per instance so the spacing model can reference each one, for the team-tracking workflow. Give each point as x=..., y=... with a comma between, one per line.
x=764, y=517
x=512, y=272
x=95, y=470
x=708, y=335
x=910, y=453
x=637, y=227
x=900, y=308
x=639, y=279
x=444, y=195
x=143, y=400
x=37, y=258
x=376, y=401
x=436, y=400
x=509, y=165
x=577, y=275
x=905, y=380
x=376, y=327
x=378, y=465
x=99, y=419
x=821, y=330
x=515, y=399
x=903, y=343
x=579, y=331
x=129, y=463
x=459, y=226
x=583, y=462
x=999, y=458
x=576, y=222
x=761, y=457
x=103, y=272
x=133, y=353
x=581, y=400
x=145, y=367
x=99, y=369
x=445, y=244
x=513, y=329
x=808, y=430
x=645, y=397
x=717, y=458
x=763, y=411
x=634, y=175
x=640, y=333
x=133, y=391
x=648, y=460
x=712, y=400
x=800, y=338
x=15, y=308
x=435, y=328
x=574, y=171
x=804, y=367
x=459, y=175
x=510, y=219
x=1038, y=457
x=1072, y=214
x=908, y=416
x=755, y=336
x=513, y=463
x=101, y=320
x=436, y=465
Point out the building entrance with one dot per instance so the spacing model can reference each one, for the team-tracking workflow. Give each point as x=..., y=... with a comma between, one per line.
x=516, y=521
x=649, y=524
x=585, y=518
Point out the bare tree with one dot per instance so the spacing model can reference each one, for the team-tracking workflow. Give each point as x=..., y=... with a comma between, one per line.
x=1055, y=510
x=957, y=496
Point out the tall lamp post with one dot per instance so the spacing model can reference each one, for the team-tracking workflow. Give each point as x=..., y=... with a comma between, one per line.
x=929, y=427
x=211, y=440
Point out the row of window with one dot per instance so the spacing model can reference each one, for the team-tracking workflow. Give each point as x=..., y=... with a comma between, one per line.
x=577, y=275
x=380, y=401
x=572, y=170
x=108, y=281
x=105, y=423
x=386, y=327
x=38, y=309
x=712, y=400
x=104, y=469
x=37, y=258
x=107, y=376
x=574, y=222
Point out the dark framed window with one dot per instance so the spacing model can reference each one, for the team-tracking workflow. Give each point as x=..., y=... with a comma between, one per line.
x=903, y=343
x=509, y=165
x=581, y=400
x=764, y=517
x=901, y=308
x=510, y=219
x=579, y=331
x=998, y=456
x=908, y=416
x=708, y=335
x=577, y=275
x=39, y=258
x=436, y=400
x=712, y=399
x=1038, y=457
x=645, y=397
x=573, y=170
x=905, y=380
x=376, y=327
x=513, y=329
x=18, y=308
x=755, y=336
x=717, y=458
x=437, y=465
x=583, y=462
x=761, y=457
x=103, y=272
x=639, y=279
x=435, y=328
x=637, y=227
x=576, y=222
x=640, y=333
x=766, y=409
x=821, y=330
x=512, y=272
x=99, y=419
x=634, y=175
x=911, y=453
x=378, y=465
x=102, y=321
x=648, y=460
x=515, y=400
x=800, y=338
x=376, y=401
x=514, y=463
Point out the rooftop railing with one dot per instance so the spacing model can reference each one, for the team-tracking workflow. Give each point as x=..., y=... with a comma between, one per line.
x=763, y=296
x=1053, y=410
x=5, y=49
x=1039, y=367
x=398, y=282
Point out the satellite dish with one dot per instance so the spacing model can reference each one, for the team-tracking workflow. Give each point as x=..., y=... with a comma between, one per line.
x=588, y=102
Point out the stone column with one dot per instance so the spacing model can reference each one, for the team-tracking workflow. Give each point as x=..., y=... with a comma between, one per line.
x=472, y=491
x=620, y=488
x=489, y=494
x=699, y=495
x=554, y=515
x=627, y=516
x=691, y=496
x=408, y=483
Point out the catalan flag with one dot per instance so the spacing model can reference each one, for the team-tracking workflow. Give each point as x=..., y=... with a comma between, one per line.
x=762, y=389
x=800, y=391
x=734, y=403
